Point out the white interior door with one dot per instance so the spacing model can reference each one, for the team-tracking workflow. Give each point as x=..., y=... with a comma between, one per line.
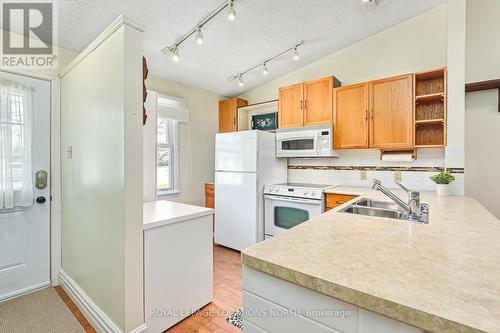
x=24, y=208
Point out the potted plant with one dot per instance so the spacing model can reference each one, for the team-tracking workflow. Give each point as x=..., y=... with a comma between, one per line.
x=443, y=180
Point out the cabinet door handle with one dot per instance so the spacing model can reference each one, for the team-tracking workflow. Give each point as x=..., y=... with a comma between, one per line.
x=340, y=202
x=301, y=105
x=366, y=114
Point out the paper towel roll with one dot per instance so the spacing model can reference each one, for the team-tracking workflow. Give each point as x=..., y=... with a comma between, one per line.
x=397, y=157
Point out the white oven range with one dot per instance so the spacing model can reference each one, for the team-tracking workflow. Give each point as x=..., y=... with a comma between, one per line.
x=288, y=205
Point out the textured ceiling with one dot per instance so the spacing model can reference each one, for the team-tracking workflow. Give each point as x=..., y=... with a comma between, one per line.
x=262, y=28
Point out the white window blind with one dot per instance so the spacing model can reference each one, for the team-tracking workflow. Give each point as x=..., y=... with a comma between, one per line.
x=173, y=108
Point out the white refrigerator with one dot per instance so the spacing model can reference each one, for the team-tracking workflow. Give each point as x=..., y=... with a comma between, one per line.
x=244, y=162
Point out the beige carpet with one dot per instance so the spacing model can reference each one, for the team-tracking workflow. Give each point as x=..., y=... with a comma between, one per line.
x=39, y=312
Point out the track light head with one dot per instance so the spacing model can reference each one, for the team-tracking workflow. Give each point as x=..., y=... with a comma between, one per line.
x=199, y=36
x=296, y=54
x=369, y=4
x=232, y=13
x=265, y=71
x=240, y=81
x=175, y=54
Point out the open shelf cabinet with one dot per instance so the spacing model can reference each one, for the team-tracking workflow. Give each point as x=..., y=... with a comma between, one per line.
x=430, y=108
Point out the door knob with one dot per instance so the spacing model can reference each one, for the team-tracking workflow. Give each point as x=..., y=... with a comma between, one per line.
x=40, y=200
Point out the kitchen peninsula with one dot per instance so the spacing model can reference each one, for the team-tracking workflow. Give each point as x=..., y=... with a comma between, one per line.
x=436, y=277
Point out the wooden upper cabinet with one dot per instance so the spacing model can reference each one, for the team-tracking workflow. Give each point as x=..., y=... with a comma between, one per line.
x=391, y=112
x=351, y=105
x=291, y=106
x=318, y=108
x=307, y=104
x=228, y=114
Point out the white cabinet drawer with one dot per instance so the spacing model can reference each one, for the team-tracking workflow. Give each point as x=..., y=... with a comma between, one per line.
x=248, y=327
x=330, y=311
x=276, y=319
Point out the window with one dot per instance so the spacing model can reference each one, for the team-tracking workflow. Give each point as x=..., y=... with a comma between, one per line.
x=16, y=119
x=16, y=128
x=166, y=156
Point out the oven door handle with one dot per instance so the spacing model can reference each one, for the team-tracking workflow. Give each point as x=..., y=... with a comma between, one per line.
x=297, y=200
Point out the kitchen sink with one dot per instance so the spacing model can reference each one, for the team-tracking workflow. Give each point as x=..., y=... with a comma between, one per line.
x=369, y=207
x=377, y=204
x=377, y=212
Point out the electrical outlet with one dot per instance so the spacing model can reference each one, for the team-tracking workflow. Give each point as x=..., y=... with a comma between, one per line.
x=362, y=175
x=397, y=176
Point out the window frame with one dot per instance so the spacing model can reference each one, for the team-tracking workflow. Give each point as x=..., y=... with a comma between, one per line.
x=174, y=162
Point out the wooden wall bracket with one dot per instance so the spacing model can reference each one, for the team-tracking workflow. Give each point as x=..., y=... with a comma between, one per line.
x=484, y=85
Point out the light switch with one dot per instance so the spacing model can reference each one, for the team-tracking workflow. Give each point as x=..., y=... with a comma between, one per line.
x=69, y=152
x=363, y=175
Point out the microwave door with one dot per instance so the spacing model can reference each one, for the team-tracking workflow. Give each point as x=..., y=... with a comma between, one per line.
x=298, y=146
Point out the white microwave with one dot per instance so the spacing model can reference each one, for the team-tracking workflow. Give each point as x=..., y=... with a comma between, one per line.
x=312, y=141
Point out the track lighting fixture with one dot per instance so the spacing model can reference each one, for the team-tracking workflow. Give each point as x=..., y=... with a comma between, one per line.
x=369, y=4
x=263, y=65
x=265, y=71
x=199, y=36
x=197, y=30
x=232, y=13
x=175, y=54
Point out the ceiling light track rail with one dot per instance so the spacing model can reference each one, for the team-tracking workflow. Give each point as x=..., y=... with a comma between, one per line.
x=173, y=49
x=264, y=64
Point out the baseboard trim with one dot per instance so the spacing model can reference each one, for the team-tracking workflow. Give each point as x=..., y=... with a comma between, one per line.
x=141, y=329
x=24, y=291
x=96, y=317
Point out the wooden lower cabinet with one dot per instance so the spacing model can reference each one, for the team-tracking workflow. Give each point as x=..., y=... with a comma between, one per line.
x=351, y=105
x=334, y=200
x=391, y=112
x=210, y=199
x=209, y=195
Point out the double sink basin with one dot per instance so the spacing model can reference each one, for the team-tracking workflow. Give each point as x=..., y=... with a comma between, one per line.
x=375, y=208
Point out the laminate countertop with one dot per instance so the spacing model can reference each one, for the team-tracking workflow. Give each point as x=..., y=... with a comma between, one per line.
x=441, y=277
x=162, y=212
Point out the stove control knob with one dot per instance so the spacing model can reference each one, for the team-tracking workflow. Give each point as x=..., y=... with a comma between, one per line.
x=313, y=194
x=306, y=193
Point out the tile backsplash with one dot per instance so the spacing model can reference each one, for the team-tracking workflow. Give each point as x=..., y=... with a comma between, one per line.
x=346, y=170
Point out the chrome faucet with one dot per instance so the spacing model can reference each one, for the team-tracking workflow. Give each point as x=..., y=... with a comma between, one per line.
x=413, y=207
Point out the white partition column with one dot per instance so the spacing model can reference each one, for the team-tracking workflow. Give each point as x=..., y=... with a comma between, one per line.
x=101, y=162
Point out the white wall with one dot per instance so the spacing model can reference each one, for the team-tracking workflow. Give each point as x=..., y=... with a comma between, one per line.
x=101, y=213
x=417, y=44
x=456, y=84
x=196, y=140
x=414, y=45
x=482, y=119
